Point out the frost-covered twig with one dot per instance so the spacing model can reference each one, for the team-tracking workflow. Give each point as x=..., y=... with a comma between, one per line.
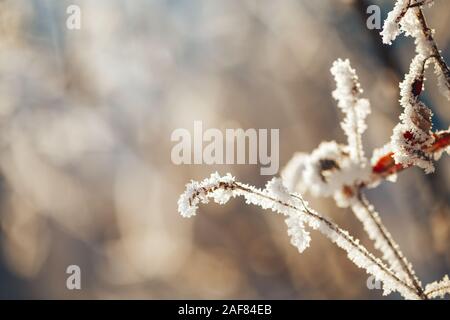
x=342, y=170
x=407, y=16
x=348, y=94
x=384, y=242
x=339, y=170
x=413, y=134
x=334, y=169
x=277, y=198
x=438, y=289
x=444, y=72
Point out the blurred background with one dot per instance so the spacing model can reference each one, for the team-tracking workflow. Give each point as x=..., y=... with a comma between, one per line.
x=85, y=122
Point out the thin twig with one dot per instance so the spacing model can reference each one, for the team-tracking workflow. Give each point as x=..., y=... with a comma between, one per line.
x=428, y=33
x=383, y=235
x=430, y=292
x=334, y=227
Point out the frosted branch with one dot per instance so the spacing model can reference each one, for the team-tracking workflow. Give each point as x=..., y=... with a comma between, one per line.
x=221, y=189
x=438, y=288
x=384, y=242
x=407, y=16
x=413, y=134
x=348, y=94
x=342, y=171
x=384, y=166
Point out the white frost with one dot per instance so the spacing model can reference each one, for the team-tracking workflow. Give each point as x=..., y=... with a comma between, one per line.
x=438, y=288
x=298, y=214
x=356, y=109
